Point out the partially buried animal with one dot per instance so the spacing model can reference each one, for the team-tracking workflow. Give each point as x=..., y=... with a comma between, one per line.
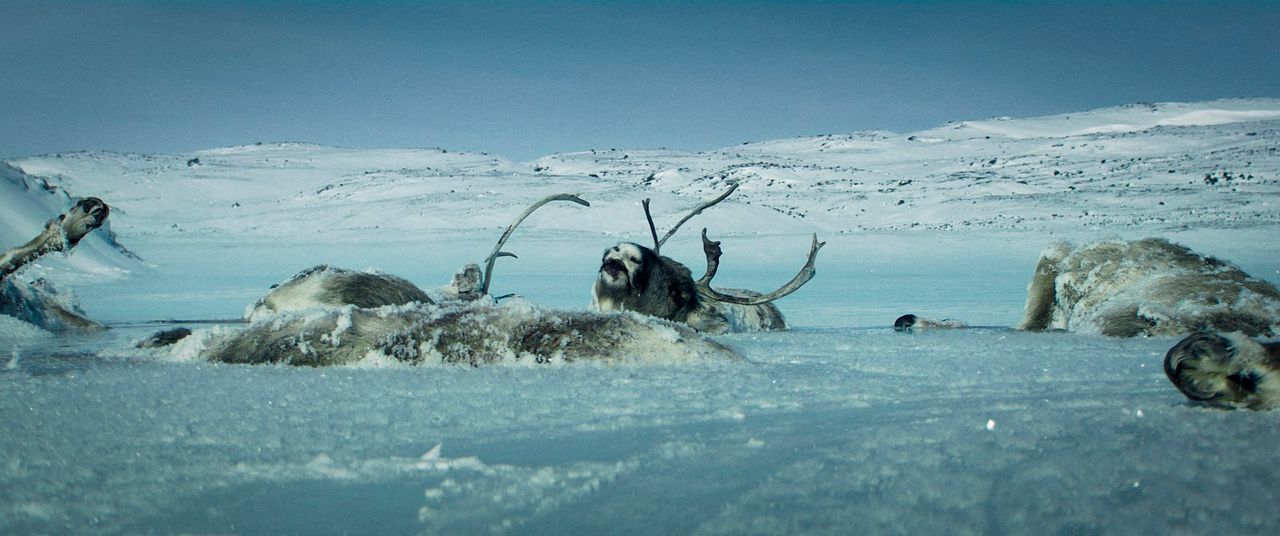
x=328, y=316
x=1226, y=370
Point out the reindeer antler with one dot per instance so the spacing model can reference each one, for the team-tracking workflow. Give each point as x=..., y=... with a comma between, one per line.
x=657, y=246
x=695, y=212
x=497, y=249
x=713, y=252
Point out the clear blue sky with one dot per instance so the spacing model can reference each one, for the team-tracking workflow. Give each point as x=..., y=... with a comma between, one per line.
x=527, y=79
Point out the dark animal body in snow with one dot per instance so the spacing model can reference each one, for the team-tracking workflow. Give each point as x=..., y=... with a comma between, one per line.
x=636, y=278
x=910, y=322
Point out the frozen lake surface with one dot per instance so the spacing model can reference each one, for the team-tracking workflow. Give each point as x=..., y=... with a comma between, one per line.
x=826, y=428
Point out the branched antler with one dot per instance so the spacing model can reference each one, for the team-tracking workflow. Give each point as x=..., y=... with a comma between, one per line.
x=497, y=249
x=653, y=231
x=658, y=243
x=713, y=252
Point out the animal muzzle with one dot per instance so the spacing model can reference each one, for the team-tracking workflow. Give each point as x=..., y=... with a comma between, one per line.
x=614, y=268
x=95, y=209
x=1194, y=363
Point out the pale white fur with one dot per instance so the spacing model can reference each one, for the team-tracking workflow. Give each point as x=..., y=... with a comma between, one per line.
x=628, y=253
x=303, y=294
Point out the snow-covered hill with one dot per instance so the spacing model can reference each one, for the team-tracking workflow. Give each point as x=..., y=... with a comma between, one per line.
x=1152, y=167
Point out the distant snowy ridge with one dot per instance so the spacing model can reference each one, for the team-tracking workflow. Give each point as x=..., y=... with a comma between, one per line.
x=1152, y=168
x=1135, y=170
x=1129, y=118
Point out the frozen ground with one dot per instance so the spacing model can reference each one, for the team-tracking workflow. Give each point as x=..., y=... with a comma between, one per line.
x=838, y=426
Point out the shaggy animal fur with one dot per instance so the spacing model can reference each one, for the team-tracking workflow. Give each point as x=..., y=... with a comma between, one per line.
x=327, y=316
x=634, y=278
x=325, y=286
x=1227, y=370
x=467, y=333
x=455, y=333
x=1146, y=287
x=38, y=302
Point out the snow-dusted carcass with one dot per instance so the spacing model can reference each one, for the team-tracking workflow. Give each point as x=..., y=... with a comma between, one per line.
x=329, y=316
x=910, y=322
x=1146, y=287
x=39, y=302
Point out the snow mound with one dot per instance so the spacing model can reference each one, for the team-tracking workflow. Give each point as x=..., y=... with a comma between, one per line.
x=1119, y=119
x=12, y=329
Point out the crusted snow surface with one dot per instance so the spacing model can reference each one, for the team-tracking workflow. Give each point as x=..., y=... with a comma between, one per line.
x=822, y=431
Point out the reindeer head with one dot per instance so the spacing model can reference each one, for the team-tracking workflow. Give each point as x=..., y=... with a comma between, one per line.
x=85, y=216
x=1226, y=370
x=623, y=266
x=635, y=278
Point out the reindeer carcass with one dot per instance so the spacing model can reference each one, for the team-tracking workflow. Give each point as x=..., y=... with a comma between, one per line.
x=636, y=278
x=328, y=316
x=1146, y=287
x=38, y=302
x=1226, y=370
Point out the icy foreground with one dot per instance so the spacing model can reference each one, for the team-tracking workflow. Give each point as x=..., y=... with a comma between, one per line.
x=839, y=426
x=978, y=431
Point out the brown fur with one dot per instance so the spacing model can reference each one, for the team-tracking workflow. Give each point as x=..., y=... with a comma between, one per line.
x=468, y=333
x=1146, y=287
x=1227, y=370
